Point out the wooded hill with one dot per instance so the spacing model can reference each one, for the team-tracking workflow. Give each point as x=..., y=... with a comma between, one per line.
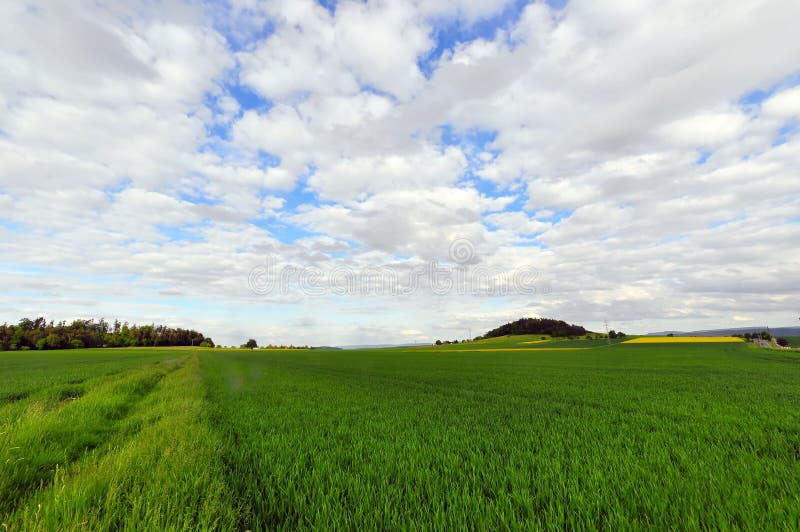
x=537, y=326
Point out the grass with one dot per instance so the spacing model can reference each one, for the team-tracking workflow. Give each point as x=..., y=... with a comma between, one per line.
x=621, y=436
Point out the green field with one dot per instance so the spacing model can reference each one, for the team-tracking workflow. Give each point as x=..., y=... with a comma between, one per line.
x=621, y=436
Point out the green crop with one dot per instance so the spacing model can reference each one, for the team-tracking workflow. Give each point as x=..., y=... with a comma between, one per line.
x=622, y=436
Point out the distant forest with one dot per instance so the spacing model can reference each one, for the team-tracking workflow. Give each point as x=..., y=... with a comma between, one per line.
x=537, y=326
x=39, y=334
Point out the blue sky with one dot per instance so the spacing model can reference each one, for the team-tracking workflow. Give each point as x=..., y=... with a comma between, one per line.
x=206, y=140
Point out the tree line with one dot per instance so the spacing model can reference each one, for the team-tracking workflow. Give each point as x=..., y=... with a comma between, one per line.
x=40, y=334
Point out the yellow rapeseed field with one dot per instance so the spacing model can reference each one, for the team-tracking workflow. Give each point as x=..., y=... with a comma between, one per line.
x=682, y=340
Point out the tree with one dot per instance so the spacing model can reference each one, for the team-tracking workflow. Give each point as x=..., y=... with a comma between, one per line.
x=250, y=344
x=54, y=341
x=783, y=342
x=438, y=342
x=612, y=333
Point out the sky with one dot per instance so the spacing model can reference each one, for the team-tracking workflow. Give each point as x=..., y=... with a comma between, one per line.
x=360, y=172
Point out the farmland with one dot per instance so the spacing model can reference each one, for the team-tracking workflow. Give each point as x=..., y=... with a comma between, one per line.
x=685, y=340
x=548, y=434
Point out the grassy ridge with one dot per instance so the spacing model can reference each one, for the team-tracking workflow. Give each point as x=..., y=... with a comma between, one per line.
x=652, y=436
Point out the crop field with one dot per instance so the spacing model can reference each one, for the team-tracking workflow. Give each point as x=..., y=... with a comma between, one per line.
x=524, y=341
x=699, y=435
x=24, y=372
x=685, y=340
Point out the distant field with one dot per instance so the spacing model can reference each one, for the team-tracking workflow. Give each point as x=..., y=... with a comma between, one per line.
x=526, y=341
x=622, y=436
x=684, y=340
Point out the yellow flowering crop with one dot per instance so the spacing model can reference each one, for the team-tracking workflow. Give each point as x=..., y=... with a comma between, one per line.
x=683, y=340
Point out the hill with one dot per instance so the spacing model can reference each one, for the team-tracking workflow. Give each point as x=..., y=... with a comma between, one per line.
x=544, y=326
x=775, y=331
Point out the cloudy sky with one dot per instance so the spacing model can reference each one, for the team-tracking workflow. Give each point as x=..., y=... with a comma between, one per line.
x=218, y=164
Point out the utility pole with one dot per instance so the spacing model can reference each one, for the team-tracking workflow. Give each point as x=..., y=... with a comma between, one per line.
x=607, y=336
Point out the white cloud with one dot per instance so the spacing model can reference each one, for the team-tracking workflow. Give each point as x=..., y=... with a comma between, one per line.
x=420, y=169
x=784, y=104
x=417, y=223
x=707, y=130
x=373, y=44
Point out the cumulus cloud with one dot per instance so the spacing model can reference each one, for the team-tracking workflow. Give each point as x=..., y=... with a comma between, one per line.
x=312, y=50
